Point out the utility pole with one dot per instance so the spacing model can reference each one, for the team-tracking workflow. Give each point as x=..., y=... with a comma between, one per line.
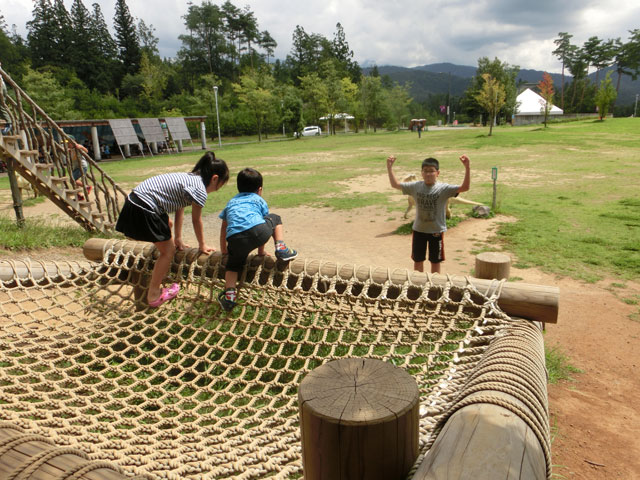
x=635, y=109
x=215, y=91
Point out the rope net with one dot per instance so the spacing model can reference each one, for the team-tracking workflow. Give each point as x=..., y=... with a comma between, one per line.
x=186, y=391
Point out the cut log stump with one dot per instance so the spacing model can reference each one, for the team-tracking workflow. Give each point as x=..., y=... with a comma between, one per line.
x=493, y=265
x=359, y=420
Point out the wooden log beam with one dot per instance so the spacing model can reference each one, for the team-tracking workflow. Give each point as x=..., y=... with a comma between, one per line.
x=501, y=427
x=37, y=271
x=359, y=419
x=484, y=442
x=539, y=303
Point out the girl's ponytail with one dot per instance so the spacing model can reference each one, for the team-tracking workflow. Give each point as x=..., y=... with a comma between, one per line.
x=208, y=166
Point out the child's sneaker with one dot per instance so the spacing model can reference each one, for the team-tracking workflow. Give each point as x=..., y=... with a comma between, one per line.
x=285, y=253
x=226, y=300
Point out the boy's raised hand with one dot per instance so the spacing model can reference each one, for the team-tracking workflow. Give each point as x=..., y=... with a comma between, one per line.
x=390, y=161
x=465, y=160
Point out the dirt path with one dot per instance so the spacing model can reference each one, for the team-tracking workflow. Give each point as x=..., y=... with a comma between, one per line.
x=595, y=418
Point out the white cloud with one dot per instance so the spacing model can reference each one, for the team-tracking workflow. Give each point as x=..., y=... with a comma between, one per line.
x=402, y=32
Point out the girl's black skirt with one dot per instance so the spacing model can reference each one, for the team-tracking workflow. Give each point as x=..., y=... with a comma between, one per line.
x=138, y=221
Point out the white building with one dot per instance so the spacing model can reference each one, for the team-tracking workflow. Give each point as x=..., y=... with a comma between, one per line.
x=530, y=108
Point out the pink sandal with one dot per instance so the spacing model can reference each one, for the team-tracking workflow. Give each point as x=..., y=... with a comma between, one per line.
x=166, y=295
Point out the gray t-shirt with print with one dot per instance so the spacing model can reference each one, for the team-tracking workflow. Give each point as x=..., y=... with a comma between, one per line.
x=431, y=204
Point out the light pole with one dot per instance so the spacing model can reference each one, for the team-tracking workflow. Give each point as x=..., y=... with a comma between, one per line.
x=635, y=109
x=215, y=91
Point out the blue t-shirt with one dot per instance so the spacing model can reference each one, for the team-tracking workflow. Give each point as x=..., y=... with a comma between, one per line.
x=244, y=211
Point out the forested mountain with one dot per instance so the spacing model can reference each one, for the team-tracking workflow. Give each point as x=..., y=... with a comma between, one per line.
x=72, y=65
x=444, y=78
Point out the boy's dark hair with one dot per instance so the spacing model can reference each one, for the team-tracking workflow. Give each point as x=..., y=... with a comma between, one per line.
x=430, y=162
x=249, y=181
x=208, y=166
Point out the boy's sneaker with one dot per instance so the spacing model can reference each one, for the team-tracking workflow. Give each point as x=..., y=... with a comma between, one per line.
x=285, y=253
x=226, y=303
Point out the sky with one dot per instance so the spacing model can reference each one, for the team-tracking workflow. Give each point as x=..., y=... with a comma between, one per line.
x=400, y=32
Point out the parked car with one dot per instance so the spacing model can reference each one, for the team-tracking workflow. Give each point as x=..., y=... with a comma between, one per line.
x=311, y=131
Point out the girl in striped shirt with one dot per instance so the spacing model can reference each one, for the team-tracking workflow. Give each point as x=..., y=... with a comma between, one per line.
x=145, y=216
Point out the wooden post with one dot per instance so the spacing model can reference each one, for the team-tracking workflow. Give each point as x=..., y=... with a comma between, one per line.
x=15, y=191
x=359, y=420
x=494, y=177
x=493, y=265
x=96, y=143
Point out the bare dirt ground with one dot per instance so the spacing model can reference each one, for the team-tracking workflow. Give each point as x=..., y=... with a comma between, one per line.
x=595, y=417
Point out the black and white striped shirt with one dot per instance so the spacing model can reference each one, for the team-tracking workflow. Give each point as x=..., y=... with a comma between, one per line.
x=170, y=192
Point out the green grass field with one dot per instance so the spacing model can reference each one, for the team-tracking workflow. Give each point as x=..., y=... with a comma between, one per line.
x=573, y=187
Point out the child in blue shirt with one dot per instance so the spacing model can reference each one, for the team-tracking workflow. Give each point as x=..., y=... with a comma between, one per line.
x=247, y=225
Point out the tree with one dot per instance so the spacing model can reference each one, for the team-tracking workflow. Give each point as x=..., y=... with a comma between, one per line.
x=372, y=100
x=63, y=35
x=398, y=100
x=148, y=39
x=546, y=92
x=203, y=48
x=308, y=53
x=315, y=97
x=564, y=53
x=604, y=96
x=106, y=52
x=49, y=94
x=268, y=43
x=14, y=51
x=84, y=50
x=129, y=52
x=505, y=75
x=41, y=32
x=343, y=55
x=491, y=97
x=256, y=91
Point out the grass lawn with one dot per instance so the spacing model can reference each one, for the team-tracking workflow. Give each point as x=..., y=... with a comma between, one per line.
x=573, y=187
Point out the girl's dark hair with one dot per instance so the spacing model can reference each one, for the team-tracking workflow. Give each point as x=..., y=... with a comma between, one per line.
x=208, y=166
x=249, y=181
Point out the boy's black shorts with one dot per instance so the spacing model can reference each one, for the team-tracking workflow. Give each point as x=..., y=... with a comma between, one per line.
x=241, y=244
x=419, y=243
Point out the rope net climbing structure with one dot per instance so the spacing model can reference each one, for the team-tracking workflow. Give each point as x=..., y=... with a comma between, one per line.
x=186, y=391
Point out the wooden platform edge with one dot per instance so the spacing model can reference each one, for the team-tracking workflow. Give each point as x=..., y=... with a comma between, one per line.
x=529, y=301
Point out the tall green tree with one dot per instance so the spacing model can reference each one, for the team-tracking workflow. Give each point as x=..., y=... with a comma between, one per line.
x=501, y=72
x=564, y=51
x=268, y=43
x=256, y=91
x=492, y=97
x=148, y=40
x=105, y=60
x=63, y=35
x=84, y=55
x=308, y=52
x=204, y=47
x=398, y=100
x=605, y=95
x=14, y=51
x=372, y=100
x=315, y=96
x=343, y=55
x=41, y=34
x=129, y=53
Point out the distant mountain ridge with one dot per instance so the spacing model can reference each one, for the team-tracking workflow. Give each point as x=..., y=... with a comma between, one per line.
x=442, y=78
